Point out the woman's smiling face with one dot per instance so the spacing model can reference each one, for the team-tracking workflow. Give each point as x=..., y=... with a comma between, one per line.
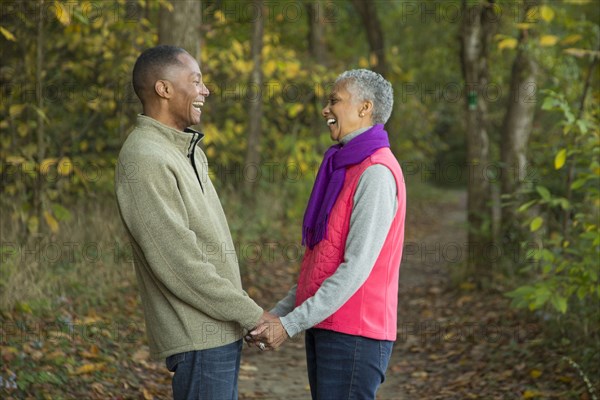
x=345, y=114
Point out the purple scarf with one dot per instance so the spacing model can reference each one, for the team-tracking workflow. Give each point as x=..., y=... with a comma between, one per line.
x=330, y=180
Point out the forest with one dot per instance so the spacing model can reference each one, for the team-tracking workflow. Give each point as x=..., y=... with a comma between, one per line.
x=496, y=125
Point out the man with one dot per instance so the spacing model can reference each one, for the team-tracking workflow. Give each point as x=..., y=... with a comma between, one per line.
x=186, y=267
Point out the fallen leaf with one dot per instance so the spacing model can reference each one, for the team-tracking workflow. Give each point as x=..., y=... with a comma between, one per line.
x=98, y=387
x=88, y=368
x=464, y=299
x=565, y=379
x=420, y=375
x=535, y=373
x=248, y=368
x=141, y=355
x=147, y=394
x=531, y=394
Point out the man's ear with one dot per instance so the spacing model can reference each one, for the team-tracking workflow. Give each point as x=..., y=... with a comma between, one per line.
x=163, y=88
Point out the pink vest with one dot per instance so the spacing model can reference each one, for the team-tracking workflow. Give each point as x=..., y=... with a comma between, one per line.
x=372, y=311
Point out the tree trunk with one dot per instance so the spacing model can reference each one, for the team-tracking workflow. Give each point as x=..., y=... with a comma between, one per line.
x=181, y=26
x=40, y=130
x=515, y=135
x=318, y=51
x=518, y=122
x=368, y=13
x=255, y=110
x=316, y=31
x=476, y=30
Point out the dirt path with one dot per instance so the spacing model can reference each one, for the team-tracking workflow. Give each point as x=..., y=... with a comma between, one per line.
x=454, y=342
x=282, y=374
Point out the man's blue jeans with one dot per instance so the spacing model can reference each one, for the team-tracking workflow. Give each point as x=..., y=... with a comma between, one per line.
x=206, y=374
x=344, y=366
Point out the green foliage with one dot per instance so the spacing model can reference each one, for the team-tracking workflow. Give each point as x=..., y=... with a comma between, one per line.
x=66, y=103
x=565, y=267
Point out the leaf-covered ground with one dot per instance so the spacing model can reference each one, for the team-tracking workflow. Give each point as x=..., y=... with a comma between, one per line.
x=454, y=342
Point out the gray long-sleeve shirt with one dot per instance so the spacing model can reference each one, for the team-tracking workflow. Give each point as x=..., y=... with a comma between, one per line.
x=375, y=204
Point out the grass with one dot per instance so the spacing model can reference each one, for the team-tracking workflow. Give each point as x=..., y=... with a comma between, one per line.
x=86, y=259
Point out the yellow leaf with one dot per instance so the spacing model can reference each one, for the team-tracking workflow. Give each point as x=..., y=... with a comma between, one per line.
x=62, y=13
x=530, y=394
x=15, y=160
x=532, y=14
x=547, y=13
x=579, y=53
x=363, y=62
x=23, y=130
x=16, y=109
x=147, y=394
x=536, y=224
x=7, y=35
x=467, y=286
x=548, y=40
x=88, y=368
x=295, y=109
x=33, y=224
x=508, y=43
x=84, y=145
x=523, y=26
x=535, y=373
x=237, y=47
x=65, y=167
x=373, y=59
x=51, y=221
x=46, y=164
x=571, y=39
x=24, y=307
x=560, y=159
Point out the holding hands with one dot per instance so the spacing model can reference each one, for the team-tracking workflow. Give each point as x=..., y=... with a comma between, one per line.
x=269, y=334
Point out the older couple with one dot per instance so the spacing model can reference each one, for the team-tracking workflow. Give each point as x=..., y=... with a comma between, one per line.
x=353, y=230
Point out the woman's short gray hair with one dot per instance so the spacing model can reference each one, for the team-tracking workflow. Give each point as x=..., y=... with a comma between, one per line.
x=366, y=85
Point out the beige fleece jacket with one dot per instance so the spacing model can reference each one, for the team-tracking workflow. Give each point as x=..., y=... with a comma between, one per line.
x=187, y=270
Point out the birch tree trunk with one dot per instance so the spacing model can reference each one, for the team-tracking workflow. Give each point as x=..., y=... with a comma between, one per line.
x=516, y=129
x=477, y=26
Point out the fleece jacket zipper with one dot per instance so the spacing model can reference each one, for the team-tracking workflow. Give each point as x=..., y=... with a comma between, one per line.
x=191, y=155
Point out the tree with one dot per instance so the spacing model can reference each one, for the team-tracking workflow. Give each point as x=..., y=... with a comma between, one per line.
x=477, y=27
x=315, y=11
x=368, y=13
x=255, y=109
x=516, y=129
x=316, y=31
x=179, y=25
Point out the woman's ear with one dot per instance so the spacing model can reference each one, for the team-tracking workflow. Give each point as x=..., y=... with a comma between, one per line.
x=367, y=108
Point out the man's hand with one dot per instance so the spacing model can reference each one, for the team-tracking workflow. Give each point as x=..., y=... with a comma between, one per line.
x=265, y=318
x=271, y=333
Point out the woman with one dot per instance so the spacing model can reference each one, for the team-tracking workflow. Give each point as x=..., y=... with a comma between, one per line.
x=346, y=296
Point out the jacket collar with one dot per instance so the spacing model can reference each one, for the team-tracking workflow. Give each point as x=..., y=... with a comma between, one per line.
x=181, y=139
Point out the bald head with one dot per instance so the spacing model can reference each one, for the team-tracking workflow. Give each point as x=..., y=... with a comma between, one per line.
x=154, y=64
